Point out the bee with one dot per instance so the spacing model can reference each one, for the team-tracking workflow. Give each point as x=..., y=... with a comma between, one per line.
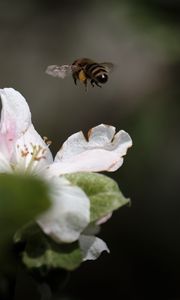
x=84, y=70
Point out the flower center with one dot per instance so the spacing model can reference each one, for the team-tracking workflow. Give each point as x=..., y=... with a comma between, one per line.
x=37, y=153
x=30, y=155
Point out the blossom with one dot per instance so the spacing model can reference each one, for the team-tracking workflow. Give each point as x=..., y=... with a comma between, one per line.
x=22, y=149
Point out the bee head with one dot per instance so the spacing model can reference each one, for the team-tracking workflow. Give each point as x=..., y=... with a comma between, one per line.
x=102, y=78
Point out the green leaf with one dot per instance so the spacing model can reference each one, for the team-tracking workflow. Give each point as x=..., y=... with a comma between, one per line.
x=42, y=251
x=22, y=198
x=103, y=192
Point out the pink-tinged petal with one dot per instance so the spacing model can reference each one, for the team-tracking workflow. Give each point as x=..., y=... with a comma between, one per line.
x=69, y=214
x=103, y=151
x=15, y=119
x=97, y=137
x=4, y=164
x=31, y=153
x=104, y=219
x=92, y=247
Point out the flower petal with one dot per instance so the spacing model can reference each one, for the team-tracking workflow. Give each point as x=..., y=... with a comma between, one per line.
x=4, y=164
x=92, y=247
x=31, y=153
x=103, y=151
x=15, y=119
x=104, y=219
x=69, y=214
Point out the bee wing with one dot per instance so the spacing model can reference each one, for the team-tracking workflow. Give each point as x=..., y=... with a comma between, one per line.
x=59, y=71
x=108, y=66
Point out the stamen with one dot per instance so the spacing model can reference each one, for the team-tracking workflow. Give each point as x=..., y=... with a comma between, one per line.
x=37, y=154
x=39, y=158
x=48, y=142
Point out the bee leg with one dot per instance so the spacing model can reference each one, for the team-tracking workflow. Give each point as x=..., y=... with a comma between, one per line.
x=98, y=84
x=85, y=83
x=92, y=82
x=75, y=79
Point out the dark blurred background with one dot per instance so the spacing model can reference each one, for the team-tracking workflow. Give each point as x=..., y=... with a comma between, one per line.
x=142, y=39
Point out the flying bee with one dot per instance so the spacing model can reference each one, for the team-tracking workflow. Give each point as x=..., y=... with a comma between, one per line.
x=84, y=70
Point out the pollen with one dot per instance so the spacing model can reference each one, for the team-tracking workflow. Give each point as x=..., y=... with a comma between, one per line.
x=24, y=153
x=39, y=158
x=82, y=76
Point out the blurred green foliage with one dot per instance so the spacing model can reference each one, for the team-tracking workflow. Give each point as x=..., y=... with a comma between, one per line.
x=155, y=21
x=22, y=198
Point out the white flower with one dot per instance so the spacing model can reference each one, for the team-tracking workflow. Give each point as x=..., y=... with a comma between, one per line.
x=23, y=150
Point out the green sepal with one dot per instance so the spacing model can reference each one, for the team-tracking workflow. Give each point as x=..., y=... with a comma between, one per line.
x=103, y=192
x=41, y=251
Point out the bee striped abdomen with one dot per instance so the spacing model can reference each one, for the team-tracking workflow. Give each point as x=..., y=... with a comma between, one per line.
x=90, y=67
x=96, y=72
